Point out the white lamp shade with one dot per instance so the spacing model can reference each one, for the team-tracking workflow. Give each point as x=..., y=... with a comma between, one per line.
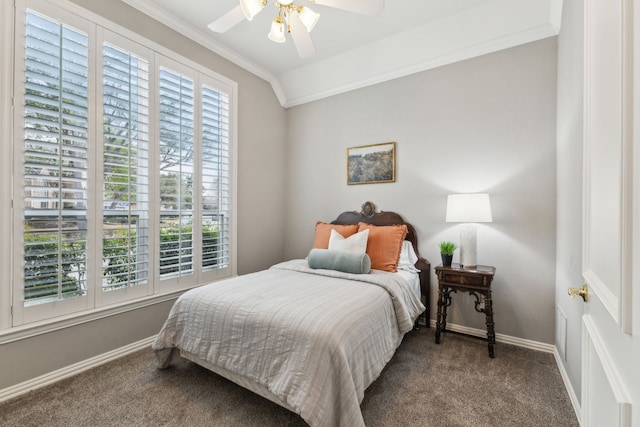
x=308, y=17
x=250, y=8
x=277, y=30
x=468, y=208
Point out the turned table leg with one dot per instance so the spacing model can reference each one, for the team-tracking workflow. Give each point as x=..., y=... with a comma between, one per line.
x=442, y=314
x=491, y=335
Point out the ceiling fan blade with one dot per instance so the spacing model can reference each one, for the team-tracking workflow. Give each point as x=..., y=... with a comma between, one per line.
x=301, y=37
x=363, y=7
x=228, y=20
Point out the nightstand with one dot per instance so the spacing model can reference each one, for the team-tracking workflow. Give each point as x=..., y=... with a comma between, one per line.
x=477, y=282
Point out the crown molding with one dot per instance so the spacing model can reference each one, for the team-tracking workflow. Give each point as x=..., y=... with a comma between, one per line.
x=470, y=33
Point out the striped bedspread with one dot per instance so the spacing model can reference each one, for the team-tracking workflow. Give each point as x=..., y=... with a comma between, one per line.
x=315, y=339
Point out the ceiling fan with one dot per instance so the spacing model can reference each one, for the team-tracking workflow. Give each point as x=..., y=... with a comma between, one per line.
x=291, y=18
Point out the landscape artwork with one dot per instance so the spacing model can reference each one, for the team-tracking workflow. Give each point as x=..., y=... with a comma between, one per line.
x=371, y=163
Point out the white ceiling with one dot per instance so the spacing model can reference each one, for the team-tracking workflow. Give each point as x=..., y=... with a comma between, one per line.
x=353, y=51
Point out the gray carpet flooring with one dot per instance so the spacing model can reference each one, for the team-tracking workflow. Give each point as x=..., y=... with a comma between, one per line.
x=451, y=384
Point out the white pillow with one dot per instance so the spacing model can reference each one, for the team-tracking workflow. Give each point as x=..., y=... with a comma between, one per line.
x=354, y=243
x=408, y=257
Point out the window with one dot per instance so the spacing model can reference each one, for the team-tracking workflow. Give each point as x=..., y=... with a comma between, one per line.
x=124, y=168
x=55, y=161
x=215, y=181
x=178, y=210
x=177, y=172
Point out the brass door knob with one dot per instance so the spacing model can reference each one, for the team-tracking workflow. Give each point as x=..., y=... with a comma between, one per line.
x=583, y=292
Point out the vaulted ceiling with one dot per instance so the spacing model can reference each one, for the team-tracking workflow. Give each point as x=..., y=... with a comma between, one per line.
x=354, y=51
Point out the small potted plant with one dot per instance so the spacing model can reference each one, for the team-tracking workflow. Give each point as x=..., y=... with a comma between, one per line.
x=446, y=252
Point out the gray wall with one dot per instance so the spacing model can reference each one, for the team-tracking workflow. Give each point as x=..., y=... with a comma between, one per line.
x=483, y=125
x=261, y=195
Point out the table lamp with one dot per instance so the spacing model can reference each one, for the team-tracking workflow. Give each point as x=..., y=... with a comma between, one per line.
x=468, y=209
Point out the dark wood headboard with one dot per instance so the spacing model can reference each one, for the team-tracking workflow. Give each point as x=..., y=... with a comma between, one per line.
x=369, y=215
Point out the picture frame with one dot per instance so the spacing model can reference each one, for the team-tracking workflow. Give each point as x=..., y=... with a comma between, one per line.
x=371, y=164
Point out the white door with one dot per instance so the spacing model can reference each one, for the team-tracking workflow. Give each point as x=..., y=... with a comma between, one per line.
x=610, y=394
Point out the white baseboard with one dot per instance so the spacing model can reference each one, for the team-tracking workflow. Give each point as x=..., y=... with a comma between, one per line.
x=567, y=384
x=71, y=370
x=507, y=339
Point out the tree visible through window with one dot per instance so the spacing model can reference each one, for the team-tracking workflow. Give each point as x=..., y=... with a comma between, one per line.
x=125, y=198
x=177, y=121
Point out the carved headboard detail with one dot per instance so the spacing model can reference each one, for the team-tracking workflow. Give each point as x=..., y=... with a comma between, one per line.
x=369, y=215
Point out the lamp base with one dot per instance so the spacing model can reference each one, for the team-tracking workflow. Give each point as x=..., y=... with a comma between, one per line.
x=468, y=245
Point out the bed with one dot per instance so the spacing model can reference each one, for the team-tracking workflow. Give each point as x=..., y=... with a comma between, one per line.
x=309, y=339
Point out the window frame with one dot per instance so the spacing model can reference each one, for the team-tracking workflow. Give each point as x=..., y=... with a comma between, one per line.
x=7, y=58
x=104, y=36
x=13, y=324
x=21, y=314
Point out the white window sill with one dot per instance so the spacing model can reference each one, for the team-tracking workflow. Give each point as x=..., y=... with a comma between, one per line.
x=33, y=329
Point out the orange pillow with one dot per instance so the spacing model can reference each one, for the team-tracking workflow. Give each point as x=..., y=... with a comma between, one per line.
x=323, y=232
x=384, y=245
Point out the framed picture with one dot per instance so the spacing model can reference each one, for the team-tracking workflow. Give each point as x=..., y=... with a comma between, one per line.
x=370, y=164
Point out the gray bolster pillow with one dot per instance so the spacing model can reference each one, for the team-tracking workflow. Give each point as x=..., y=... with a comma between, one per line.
x=348, y=262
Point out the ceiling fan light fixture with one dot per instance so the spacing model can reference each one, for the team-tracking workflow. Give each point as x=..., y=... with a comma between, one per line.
x=292, y=18
x=251, y=8
x=277, y=30
x=308, y=17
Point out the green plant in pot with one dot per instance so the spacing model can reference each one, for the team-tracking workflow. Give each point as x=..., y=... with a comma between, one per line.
x=446, y=252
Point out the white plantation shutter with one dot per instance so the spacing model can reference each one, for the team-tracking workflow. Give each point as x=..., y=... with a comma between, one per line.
x=215, y=179
x=125, y=195
x=177, y=116
x=122, y=169
x=55, y=161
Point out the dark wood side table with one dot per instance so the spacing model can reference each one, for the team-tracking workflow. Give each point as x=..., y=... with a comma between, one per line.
x=477, y=282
